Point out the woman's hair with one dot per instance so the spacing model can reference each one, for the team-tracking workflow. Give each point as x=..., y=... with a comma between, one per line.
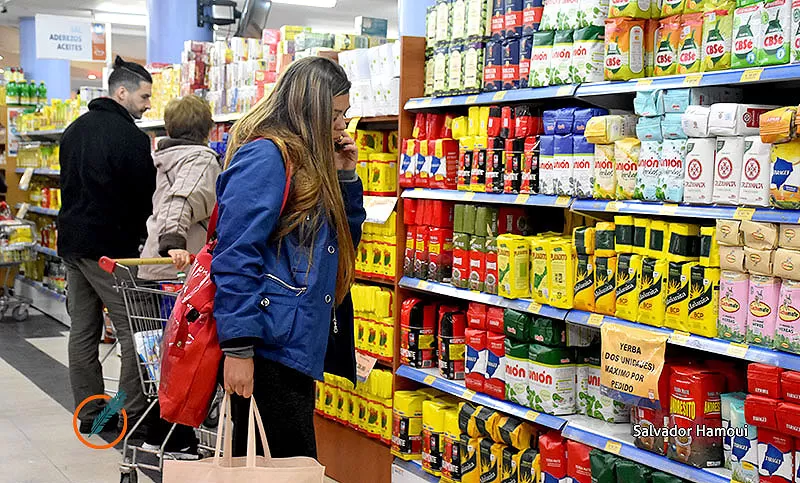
x=188, y=118
x=297, y=116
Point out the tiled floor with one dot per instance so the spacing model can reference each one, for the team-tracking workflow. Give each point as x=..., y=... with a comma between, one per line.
x=37, y=442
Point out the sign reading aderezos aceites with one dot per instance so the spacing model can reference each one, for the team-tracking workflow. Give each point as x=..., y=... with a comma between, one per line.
x=69, y=38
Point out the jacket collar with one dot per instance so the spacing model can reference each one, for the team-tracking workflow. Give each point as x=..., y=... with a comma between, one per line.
x=110, y=105
x=167, y=143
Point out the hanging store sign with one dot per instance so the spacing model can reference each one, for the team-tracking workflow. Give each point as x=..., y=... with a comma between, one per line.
x=70, y=38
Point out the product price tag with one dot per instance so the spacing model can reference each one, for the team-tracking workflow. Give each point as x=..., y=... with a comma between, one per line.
x=364, y=365
x=531, y=416
x=737, y=350
x=595, y=320
x=751, y=75
x=447, y=101
x=668, y=209
x=534, y=307
x=468, y=196
x=426, y=103
x=692, y=80
x=613, y=447
x=521, y=199
x=429, y=380
x=644, y=82
x=422, y=285
x=468, y=394
x=679, y=337
x=563, y=201
x=564, y=91
x=612, y=206
x=499, y=95
x=472, y=100
x=743, y=213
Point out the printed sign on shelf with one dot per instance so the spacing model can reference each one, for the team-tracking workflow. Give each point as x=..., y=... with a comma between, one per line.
x=364, y=365
x=70, y=38
x=632, y=362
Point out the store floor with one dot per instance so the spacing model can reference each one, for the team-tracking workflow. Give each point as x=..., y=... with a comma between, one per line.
x=37, y=442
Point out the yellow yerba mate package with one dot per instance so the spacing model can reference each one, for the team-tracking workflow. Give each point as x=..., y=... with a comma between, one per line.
x=583, y=237
x=470, y=459
x=651, y=295
x=658, y=239
x=704, y=301
x=629, y=268
x=513, y=263
x=640, y=228
x=684, y=242
x=584, y=283
x=676, y=300
x=605, y=239
x=561, y=267
x=539, y=275
x=605, y=285
x=624, y=229
x=709, y=249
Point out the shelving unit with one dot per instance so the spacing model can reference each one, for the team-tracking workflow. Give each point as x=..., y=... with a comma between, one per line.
x=502, y=199
x=710, y=212
x=41, y=171
x=44, y=299
x=39, y=210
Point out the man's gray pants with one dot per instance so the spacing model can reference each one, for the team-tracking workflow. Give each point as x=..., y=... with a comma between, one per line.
x=90, y=288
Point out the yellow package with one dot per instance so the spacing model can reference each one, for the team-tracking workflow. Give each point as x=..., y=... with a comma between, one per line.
x=684, y=242
x=689, y=53
x=386, y=419
x=470, y=459
x=451, y=462
x=513, y=263
x=777, y=125
x=371, y=141
x=605, y=178
x=668, y=39
x=561, y=267
x=467, y=419
x=672, y=7
x=658, y=239
x=628, y=9
x=584, y=283
x=641, y=226
x=433, y=413
x=474, y=121
x=319, y=389
x=676, y=299
x=601, y=130
x=785, y=191
x=461, y=127
x=490, y=472
x=623, y=229
x=483, y=126
x=624, y=47
x=508, y=466
x=407, y=418
x=709, y=250
x=605, y=285
x=374, y=418
x=385, y=345
x=651, y=295
x=528, y=466
x=382, y=174
x=539, y=278
x=717, y=33
x=583, y=238
x=629, y=268
x=393, y=142
x=330, y=395
x=704, y=301
x=626, y=166
x=605, y=239
x=518, y=434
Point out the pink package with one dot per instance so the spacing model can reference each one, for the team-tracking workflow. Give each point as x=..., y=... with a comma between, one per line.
x=762, y=306
x=733, y=308
x=270, y=36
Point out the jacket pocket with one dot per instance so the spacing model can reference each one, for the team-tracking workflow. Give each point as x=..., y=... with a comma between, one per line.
x=289, y=288
x=279, y=302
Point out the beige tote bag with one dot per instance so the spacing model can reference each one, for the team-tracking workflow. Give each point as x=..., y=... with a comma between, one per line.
x=223, y=468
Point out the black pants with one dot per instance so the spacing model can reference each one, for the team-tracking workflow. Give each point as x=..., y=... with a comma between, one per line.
x=285, y=399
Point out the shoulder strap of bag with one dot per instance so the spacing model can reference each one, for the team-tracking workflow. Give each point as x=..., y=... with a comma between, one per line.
x=212, y=222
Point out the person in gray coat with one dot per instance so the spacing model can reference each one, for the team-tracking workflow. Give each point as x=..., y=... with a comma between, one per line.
x=185, y=188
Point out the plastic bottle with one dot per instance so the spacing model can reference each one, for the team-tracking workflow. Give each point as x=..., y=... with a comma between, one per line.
x=33, y=93
x=22, y=88
x=11, y=93
x=42, y=93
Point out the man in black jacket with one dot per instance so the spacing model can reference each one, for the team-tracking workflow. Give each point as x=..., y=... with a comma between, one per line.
x=107, y=183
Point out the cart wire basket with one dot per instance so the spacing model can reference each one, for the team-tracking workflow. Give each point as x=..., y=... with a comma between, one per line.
x=16, y=247
x=149, y=305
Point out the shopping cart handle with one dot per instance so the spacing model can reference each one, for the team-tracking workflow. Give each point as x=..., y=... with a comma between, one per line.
x=109, y=264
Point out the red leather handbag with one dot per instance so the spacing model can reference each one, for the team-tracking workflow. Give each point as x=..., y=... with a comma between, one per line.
x=191, y=352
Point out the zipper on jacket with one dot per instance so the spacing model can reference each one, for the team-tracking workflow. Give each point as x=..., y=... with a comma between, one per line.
x=299, y=290
x=335, y=323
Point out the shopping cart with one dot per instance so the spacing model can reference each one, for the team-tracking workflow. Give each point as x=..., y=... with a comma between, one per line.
x=16, y=248
x=148, y=305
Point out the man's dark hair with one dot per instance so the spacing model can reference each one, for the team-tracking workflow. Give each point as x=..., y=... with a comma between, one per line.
x=128, y=74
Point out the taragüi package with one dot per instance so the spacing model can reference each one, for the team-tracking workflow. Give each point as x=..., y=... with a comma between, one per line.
x=652, y=293
x=624, y=53
x=785, y=183
x=629, y=269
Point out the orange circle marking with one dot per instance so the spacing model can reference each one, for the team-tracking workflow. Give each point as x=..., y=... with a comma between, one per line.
x=84, y=440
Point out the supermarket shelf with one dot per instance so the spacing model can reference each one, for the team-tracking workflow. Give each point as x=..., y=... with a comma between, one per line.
x=377, y=120
x=48, y=135
x=518, y=95
x=372, y=279
x=777, y=73
x=39, y=210
x=41, y=171
x=430, y=377
x=384, y=361
x=616, y=438
x=715, y=346
x=771, y=215
x=45, y=250
x=47, y=301
x=411, y=472
x=523, y=305
x=503, y=199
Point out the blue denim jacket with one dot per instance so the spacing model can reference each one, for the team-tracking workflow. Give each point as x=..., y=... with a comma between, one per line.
x=264, y=291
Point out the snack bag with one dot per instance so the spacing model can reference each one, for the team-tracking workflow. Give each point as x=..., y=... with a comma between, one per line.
x=624, y=53
x=667, y=43
x=689, y=52
x=717, y=39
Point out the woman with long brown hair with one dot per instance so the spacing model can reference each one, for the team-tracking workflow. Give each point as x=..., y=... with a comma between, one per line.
x=285, y=256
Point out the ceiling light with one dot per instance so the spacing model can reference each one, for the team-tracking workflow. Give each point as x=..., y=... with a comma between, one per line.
x=309, y=3
x=120, y=18
x=92, y=76
x=1, y=57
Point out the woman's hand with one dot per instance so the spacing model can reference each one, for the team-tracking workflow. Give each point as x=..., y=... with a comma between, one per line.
x=238, y=376
x=180, y=258
x=346, y=156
